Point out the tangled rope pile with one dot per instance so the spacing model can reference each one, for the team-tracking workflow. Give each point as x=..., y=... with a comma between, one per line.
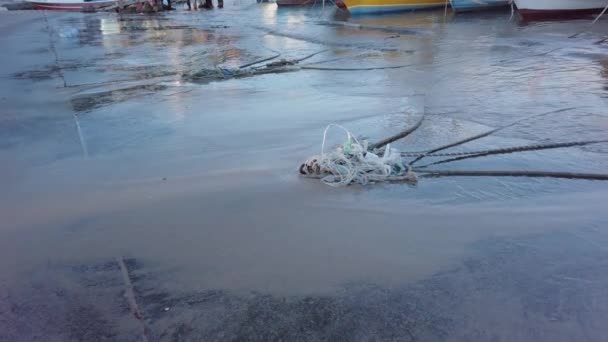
x=353, y=163
x=356, y=162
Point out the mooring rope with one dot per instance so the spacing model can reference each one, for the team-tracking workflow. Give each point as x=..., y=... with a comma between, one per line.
x=504, y=150
x=485, y=134
x=593, y=22
x=306, y=67
x=397, y=136
x=283, y=65
x=277, y=55
x=356, y=162
x=511, y=173
x=275, y=67
x=310, y=56
x=514, y=148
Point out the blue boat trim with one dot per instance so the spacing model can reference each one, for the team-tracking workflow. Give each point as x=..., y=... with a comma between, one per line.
x=472, y=5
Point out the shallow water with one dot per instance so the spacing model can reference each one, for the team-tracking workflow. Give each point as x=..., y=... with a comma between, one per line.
x=109, y=149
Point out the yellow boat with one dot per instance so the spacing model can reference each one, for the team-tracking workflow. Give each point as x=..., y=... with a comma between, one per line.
x=384, y=6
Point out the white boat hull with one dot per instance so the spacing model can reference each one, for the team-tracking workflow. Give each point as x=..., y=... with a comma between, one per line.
x=70, y=5
x=542, y=9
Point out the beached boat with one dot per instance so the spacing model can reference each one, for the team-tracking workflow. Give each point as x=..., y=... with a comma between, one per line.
x=547, y=9
x=70, y=5
x=474, y=5
x=385, y=6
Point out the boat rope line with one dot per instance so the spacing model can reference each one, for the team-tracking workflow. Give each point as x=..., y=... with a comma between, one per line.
x=356, y=69
x=276, y=55
x=358, y=162
x=487, y=133
x=370, y=53
x=310, y=56
x=397, y=136
x=506, y=150
x=513, y=173
x=600, y=15
x=281, y=66
x=517, y=148
x=592, y=23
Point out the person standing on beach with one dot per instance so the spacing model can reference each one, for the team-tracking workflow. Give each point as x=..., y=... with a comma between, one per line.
x=207, y=5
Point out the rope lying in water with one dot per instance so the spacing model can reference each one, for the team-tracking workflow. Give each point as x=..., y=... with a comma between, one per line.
x=285, y=62
x=507, y=150
x=512, y=173
x=397, y=136
x=310, y=56
x=353, y=162
x=355, y=69
x=246, y=70
x=281, y=66
x=223, y=74
x=485, y=134
x=277, y=55
x=593, y=22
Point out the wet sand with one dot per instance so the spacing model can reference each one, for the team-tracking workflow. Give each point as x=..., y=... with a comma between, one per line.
x=108, y=151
